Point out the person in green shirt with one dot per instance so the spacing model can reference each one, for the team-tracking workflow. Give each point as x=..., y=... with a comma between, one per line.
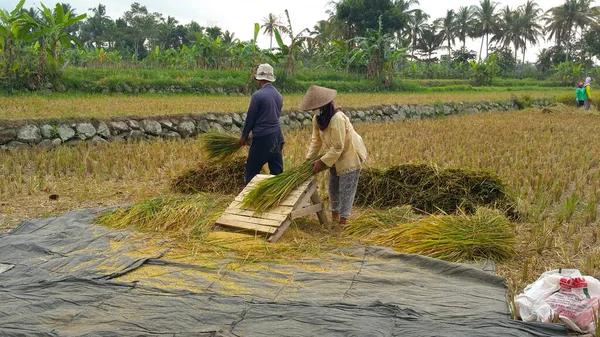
x=580, y=95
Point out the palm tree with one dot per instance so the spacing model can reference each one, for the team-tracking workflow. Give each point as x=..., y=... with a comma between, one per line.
x=270, y=23
x=544, y=60
x=95, y=26
x=486, y=17
x=508, y=29
x=531, y=29
x=430, y=41
x=166, y=29
x=448, y=26
x=229, y=38
x=417, y=23
x=562, y=22
x=465, y=24
x=321, y=32
x=194, y=32
x=214, y=32
x=407, y=15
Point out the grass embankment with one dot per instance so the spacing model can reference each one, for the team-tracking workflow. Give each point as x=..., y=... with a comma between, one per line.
x=107, y=106
x=549, y=159
x=133, y=81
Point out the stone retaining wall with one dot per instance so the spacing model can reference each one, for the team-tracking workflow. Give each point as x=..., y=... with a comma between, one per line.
x=51, y=133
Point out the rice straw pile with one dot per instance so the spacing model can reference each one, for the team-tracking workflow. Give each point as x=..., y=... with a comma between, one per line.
x=188, y=217
x=432, y=190
x=271, y=192
x=487, y=234
x=220, y=146
x=227, y=177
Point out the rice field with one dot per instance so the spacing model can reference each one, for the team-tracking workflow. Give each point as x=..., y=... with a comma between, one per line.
x=549, y=160
x=105, y=106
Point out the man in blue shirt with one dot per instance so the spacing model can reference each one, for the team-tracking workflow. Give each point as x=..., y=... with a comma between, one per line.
x=263, y=121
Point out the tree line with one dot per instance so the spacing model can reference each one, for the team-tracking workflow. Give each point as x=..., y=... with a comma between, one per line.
x=379, y=38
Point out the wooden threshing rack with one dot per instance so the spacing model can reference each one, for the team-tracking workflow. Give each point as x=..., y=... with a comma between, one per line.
x=303, y=201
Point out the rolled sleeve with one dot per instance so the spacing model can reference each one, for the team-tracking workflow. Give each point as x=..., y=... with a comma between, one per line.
x=338, y=138
x=315, y=143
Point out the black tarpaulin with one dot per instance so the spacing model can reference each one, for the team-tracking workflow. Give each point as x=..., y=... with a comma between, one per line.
x=66, y=276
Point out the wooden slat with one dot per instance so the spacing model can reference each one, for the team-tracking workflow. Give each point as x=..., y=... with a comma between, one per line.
x=252, y=214
x=284, y=226
x=245, y=225
x=284, y=210
x=291, y=197
x=290, y=200
x=303, y=200
x=294, y=200
x=264, y=222
x=307, y=211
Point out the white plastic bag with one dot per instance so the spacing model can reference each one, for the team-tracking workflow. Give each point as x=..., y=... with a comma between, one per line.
x=565, y=294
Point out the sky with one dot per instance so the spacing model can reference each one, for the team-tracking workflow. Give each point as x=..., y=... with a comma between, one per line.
x=239, y=16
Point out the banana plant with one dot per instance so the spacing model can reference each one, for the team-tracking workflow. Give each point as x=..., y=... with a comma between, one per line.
x=251, y=53
x=336, y=55
x=10, y=23
x=287, y=52
x=52, y=29
x=377, y=51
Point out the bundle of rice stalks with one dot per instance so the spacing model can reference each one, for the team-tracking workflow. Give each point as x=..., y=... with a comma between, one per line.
x=485, y=235
x=431, y=190
x=219, y=146
x=271, y=192
x=379, y=220
x=188, y=217
x=226, y=177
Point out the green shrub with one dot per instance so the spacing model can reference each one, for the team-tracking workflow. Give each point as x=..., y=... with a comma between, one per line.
x=523, y=102
x=134, y=81
x=566, y=99
x=398, y=84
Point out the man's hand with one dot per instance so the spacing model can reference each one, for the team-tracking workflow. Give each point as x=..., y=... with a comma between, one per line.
x=241, y=142
x=318, y=166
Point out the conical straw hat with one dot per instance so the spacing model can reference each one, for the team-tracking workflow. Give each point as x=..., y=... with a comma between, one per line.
x=316, y=97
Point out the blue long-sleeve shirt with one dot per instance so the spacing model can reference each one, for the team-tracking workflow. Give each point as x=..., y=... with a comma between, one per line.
x=264, y=111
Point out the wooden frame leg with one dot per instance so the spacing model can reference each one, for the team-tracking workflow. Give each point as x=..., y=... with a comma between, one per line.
x=277, y=235
x=316, y=199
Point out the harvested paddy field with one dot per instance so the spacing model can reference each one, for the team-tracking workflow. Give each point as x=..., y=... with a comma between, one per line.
x=548, y=162
x=103, y=106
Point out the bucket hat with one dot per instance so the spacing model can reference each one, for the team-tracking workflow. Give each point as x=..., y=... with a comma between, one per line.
x=265, y=73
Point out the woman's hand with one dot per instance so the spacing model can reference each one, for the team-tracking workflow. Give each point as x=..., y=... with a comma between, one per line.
x=241, y=142
x=318, y=166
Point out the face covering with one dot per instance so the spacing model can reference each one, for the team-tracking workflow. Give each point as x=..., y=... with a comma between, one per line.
x=326, y=112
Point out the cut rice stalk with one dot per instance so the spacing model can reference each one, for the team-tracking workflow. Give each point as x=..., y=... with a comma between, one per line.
x=379, y=220
x=220, y=146
x=189, y=216
x=485, y=235
x=271, y=192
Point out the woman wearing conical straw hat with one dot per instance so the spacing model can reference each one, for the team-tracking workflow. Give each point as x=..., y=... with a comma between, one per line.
x=344, y=150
